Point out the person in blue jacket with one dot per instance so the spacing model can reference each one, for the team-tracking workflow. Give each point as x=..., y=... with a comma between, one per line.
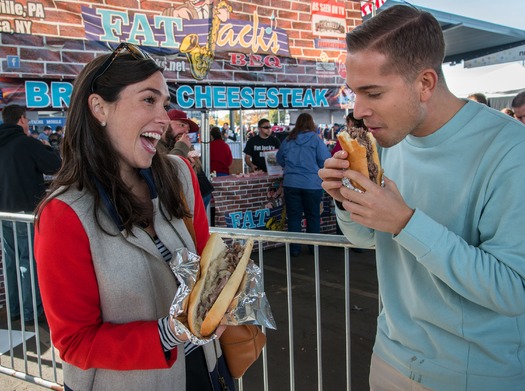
x=448, y=223
x=301, y=155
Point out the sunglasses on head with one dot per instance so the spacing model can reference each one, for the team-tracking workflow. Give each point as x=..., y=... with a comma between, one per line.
x=134, y=50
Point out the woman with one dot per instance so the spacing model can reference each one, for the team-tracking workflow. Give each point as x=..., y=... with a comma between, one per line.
x=302, y=154
x=220, y=153
x=115, y=215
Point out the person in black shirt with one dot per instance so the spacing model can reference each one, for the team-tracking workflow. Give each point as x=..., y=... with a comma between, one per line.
x=256, y=146
x=23, y=162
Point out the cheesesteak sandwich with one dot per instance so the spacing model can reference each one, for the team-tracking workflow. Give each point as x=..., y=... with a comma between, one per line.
x=222, y=269
x=362, y=154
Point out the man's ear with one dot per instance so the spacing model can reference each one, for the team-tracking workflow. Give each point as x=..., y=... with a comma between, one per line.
x=98, y=107
x=428, y=81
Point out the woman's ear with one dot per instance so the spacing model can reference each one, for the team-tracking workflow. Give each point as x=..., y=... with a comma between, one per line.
x=97, y=107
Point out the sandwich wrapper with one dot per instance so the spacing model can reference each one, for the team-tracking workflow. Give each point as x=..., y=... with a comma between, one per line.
x=249, y=305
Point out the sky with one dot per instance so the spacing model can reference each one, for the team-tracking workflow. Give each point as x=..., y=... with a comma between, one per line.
x=505, y=12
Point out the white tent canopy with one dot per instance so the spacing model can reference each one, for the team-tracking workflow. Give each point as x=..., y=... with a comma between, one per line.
x=500, y=83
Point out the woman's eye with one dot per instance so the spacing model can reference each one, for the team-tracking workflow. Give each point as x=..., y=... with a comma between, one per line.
x=150, y=99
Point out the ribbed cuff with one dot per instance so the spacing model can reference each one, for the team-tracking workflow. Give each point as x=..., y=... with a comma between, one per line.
x=168, y=339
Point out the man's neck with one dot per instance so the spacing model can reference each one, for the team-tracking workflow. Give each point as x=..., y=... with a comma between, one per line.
x=440, y=110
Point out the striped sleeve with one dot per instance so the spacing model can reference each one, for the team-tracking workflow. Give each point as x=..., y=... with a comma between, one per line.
x=168, y=339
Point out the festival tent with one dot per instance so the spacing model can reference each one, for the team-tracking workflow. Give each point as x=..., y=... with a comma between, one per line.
x=468, y=38
x=500, y=82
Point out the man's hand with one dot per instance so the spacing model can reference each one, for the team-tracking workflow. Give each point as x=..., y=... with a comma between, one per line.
x=332, y=174
x=379, y=208
x=184, y=138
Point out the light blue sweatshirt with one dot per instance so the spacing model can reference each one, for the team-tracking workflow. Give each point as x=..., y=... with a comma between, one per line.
x=302, y=158
x=453, y=281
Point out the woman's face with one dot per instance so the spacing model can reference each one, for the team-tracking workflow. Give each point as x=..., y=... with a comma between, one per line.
x=137, y=120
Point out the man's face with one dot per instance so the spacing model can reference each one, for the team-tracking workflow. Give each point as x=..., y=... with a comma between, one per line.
x=389, y=105
x=175, y=131
x=519, y=113
x=24, y=123
x=265, y=130
x=179, y=128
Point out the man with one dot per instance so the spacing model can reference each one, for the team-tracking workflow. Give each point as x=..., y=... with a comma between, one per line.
x=23, y=162
x=518, y=105
x=44, y=136
x=257, y=145
x=177, y=142
x=448, y=223
x=177, y=134
x=479, y=97
x=227, y=133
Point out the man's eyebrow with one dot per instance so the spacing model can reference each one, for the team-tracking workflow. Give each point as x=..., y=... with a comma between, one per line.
x=367, y=87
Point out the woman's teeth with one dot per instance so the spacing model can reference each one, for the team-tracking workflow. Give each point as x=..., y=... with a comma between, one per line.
x=155, y=136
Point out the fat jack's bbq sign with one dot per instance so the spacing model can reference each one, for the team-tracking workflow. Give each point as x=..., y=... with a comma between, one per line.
x=189, y=40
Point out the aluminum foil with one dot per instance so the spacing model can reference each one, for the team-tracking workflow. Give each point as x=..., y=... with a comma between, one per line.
x=346, y=183
x=249, y=306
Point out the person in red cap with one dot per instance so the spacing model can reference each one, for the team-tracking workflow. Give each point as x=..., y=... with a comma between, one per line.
x=177, y=134
x=177, y=142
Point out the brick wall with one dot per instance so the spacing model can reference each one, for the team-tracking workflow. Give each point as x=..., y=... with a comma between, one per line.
x=249, y=196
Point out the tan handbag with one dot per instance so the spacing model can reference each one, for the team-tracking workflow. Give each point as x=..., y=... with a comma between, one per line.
x=241, y=347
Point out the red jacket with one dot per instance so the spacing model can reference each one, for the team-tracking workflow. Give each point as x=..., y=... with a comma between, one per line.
x=71, y=297
x=220, y=157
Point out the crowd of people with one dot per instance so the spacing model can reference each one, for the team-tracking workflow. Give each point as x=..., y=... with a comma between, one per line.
x=129, y=190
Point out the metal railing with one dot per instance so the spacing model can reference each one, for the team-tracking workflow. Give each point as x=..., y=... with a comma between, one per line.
x=23, y=359
x=44, y=368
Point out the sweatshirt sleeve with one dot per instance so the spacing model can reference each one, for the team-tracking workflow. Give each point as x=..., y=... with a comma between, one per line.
x=322, y=153
x=357, y=234
x=484, y=263
x=71, y=301
x=280, y=154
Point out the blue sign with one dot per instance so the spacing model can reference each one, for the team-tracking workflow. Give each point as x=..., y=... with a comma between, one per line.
x=13, y=61
x=224, y=97
x=49, y=121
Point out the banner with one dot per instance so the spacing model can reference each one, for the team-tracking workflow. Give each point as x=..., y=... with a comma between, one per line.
x=328, y=18
x=40, y=94
x=509, y=55
x=370, y=6
x=284, y=43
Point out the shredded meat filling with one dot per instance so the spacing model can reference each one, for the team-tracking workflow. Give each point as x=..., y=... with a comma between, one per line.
x=362, y=138
x=212, y=289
